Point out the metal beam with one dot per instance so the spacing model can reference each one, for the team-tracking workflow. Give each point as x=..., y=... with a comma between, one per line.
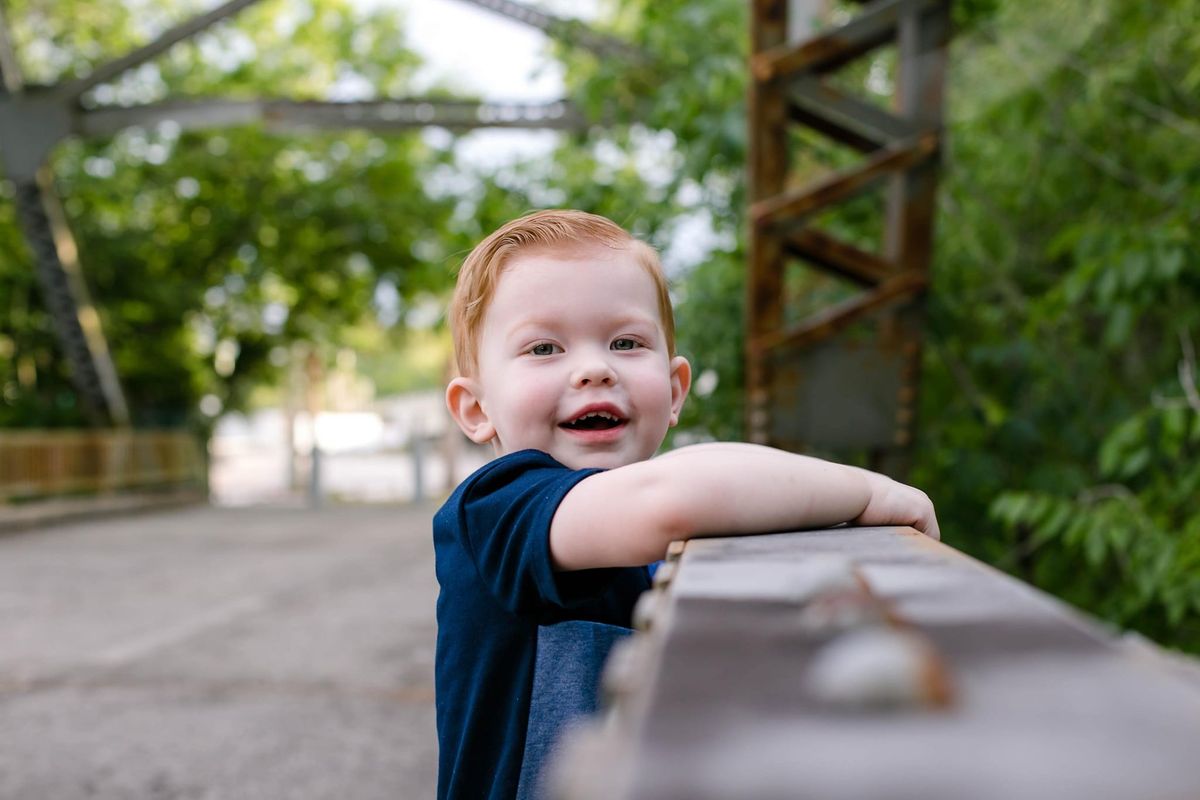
x=191, y=114
x=847, y=118
x=838, y=133
x=67, y=299
x=878, y=365
x=920, y=82
x=31, y=125
x=768, y=164
x=107, y=71
x=377, y=115
x=567, y=30
x=833, y=255
x=841, y=186
x=872, y=28
x=838, y=317
x=392, y=115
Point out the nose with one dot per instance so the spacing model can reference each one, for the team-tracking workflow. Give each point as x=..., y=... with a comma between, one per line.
x=592, y=369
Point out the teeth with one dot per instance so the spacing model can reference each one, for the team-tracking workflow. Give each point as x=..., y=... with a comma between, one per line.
x=601, y=414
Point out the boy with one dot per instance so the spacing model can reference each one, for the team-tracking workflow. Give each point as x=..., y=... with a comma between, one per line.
x=564, y=342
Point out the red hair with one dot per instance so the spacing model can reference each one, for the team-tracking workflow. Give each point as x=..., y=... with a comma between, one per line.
x=554, y=229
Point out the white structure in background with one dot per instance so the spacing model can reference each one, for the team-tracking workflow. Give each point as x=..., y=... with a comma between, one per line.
x=367, y=456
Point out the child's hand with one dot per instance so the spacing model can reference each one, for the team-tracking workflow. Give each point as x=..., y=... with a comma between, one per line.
x=894, y=503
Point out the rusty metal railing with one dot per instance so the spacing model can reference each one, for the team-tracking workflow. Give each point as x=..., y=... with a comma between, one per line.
x=844, y=377
x=37, y=464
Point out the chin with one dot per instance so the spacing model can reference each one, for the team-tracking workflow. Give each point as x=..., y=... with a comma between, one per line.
x=597, y=460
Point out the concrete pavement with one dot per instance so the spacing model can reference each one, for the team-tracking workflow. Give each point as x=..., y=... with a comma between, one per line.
x=220, y=653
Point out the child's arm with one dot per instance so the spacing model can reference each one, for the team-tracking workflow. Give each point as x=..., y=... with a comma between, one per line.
x=627, y=516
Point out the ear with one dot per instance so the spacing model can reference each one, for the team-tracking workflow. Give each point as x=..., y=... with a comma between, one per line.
x=681, y=381
x=463, y=400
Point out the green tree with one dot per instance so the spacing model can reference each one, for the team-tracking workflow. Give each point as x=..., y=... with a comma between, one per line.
x=207, y=253
x=1061, y=416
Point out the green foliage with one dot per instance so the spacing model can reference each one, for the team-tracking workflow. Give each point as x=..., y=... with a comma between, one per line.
x=1060, y=418
x=208, y=253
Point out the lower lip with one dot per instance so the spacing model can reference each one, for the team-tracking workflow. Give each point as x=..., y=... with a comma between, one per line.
x=599, y=436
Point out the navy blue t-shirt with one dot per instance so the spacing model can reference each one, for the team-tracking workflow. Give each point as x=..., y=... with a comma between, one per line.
x=498, y=590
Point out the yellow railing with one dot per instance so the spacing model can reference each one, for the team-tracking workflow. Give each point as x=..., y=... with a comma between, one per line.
x=49, y=463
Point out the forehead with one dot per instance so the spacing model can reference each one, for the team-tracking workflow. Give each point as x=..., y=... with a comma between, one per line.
x=578, y=281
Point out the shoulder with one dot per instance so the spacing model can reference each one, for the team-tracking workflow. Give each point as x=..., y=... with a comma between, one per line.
x=517, y=481
x=513, y=468
x=509, y=468
x=498, y=522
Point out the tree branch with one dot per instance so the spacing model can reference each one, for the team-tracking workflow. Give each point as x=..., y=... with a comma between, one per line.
x=1187, y=371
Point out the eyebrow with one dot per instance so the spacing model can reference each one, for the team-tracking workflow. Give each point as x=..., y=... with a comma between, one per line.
x=618, y=322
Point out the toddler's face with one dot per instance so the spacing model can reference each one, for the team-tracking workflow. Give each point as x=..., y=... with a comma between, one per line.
x=573, y=361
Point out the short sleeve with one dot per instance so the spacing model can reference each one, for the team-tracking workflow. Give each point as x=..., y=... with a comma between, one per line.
x=504, y=516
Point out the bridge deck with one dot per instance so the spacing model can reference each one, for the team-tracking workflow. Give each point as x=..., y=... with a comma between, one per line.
x=220, y=653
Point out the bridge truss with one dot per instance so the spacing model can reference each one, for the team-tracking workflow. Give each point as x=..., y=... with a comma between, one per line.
x=846, y=376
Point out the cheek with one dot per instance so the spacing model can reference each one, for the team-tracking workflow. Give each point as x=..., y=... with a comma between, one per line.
x=541, y=397
x=654, y=387
x=531, y=394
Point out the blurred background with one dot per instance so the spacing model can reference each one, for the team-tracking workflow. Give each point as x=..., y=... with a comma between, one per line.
x=264, y=265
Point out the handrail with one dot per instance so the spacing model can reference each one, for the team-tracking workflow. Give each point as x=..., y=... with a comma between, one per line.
x=47, y=463
x=874, y=663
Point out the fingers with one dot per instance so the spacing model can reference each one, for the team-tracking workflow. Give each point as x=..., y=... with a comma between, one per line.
x=896, y=503
x=932, y=530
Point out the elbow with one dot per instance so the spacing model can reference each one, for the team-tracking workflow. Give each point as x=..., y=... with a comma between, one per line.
x=668, y=517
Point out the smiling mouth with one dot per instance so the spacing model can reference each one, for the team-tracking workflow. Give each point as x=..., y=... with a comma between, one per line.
x=594, y=421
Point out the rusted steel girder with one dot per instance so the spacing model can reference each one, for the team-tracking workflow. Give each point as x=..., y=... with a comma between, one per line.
x=768, y=168
x=808, y=385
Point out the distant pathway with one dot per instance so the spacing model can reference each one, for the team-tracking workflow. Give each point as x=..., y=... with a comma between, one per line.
x=220, y=654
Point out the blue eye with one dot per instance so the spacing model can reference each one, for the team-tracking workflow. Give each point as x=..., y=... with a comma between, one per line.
x=624, y=344
x=542, y=349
